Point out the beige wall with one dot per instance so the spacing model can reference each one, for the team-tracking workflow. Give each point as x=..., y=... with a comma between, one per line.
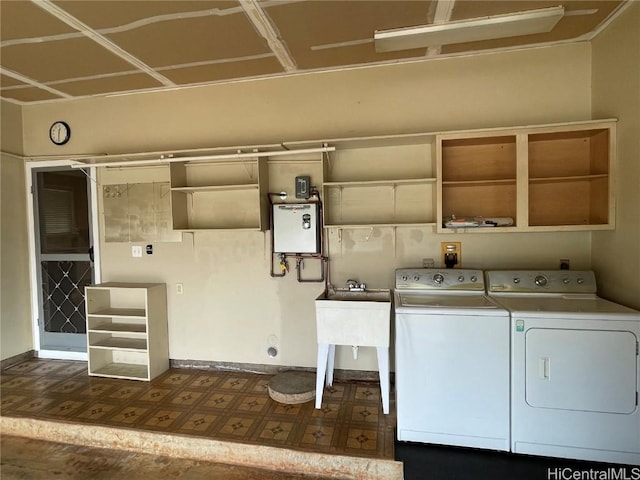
x=15, y=310
x=533, y=86
x=616, y=93
x=231, y=309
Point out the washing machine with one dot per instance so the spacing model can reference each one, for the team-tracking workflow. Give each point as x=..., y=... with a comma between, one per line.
x=451, y=360
x=574, y=367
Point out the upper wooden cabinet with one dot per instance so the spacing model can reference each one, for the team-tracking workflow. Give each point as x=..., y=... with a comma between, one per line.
x=534, y=178
x=381, y=181
x=553, y=177
x=219, y=195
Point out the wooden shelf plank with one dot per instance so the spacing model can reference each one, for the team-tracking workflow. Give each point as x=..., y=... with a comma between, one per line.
x=502, y=181
x=215, y=188
x=121, y=343
x=122, y=370
x=119, y=327
x=227, y=228
x=378, y=183
x=120, y=313
x=573, y=178
x=375, y=225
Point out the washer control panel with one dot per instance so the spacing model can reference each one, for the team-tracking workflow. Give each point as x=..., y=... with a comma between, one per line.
x=541, y=281
x=439, y=279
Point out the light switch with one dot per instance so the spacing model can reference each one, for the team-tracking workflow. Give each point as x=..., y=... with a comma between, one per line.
x=136, y=251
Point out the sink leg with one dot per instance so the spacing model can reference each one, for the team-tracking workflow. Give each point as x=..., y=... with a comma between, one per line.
x=330, y=363
x=321, y=369
x=383, y=368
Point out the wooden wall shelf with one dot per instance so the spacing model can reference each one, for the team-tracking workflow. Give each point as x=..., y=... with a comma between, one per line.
x=546, y=178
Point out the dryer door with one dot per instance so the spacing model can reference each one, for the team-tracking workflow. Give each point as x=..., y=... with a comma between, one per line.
x=586, y=370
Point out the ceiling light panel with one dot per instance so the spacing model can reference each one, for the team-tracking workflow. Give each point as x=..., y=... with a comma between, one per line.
x=569, y=27
x=471, y=30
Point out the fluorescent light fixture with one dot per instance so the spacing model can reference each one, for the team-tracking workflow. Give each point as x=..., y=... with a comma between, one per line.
x=470, y=30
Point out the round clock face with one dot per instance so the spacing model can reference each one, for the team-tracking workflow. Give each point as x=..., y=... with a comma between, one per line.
x=60, y=133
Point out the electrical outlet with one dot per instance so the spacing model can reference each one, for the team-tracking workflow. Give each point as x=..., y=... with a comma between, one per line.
x=179, y=288
x=136, y=251
x=564, y=264
x=451, y=254
x=428, y=263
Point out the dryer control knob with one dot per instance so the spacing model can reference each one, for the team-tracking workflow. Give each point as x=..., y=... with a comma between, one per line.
x=565, y=281
x=438, y=278
x=516, y=280
x=404, y=278
x=416, y=278
x=474, y=278
x=461, y=278
x=541, y=280
x=580, y=281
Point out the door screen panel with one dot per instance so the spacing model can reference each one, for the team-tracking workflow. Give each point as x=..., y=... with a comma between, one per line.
x=587, y=370
x=63, y=285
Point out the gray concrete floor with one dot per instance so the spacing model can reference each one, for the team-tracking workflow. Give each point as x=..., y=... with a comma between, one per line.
x=29, y=459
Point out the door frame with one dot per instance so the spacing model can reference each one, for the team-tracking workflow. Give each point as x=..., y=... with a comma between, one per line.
x=33, y=267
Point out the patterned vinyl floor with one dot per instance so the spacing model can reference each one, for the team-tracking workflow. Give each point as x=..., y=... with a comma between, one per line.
x=221, y=405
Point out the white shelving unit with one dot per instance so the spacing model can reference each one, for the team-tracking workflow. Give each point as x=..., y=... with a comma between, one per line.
x=127, y=330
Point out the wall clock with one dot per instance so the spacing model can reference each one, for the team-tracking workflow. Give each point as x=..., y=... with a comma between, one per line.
x=60, y=132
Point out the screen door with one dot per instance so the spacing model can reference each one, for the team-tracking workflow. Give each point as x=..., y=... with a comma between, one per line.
x=64, y=256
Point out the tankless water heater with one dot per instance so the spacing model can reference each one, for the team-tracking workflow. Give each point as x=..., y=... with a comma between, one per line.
x=296, y=228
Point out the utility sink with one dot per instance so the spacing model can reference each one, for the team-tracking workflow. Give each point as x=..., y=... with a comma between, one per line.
x=355, y=318
x=354, y=296
x=345, y=317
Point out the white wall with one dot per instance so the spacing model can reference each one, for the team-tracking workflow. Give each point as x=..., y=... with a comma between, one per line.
x=231, y=307
x=616, y=93
x=15, y=310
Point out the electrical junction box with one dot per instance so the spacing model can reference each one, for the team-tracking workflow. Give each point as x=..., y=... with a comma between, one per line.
x=303, y=186
x=296, y=228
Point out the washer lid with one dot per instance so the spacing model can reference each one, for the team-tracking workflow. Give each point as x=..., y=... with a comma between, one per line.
x=430, y=301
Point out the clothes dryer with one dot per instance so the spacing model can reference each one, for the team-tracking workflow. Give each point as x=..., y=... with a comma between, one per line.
x=574, y=367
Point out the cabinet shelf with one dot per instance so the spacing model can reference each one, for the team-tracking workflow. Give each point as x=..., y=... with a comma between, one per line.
x=127, y=330
x=121, y=343
x=574, y=178
x=120, y=313
x=127, y=371
x=378, y=225
x=487, y=182
x=118, y=327
x=381, y=183
x=215, y=188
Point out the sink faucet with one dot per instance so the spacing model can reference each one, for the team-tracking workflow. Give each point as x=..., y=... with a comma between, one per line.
x=354, y=286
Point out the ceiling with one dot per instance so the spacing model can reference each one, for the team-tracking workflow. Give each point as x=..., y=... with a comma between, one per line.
x=60, y=49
